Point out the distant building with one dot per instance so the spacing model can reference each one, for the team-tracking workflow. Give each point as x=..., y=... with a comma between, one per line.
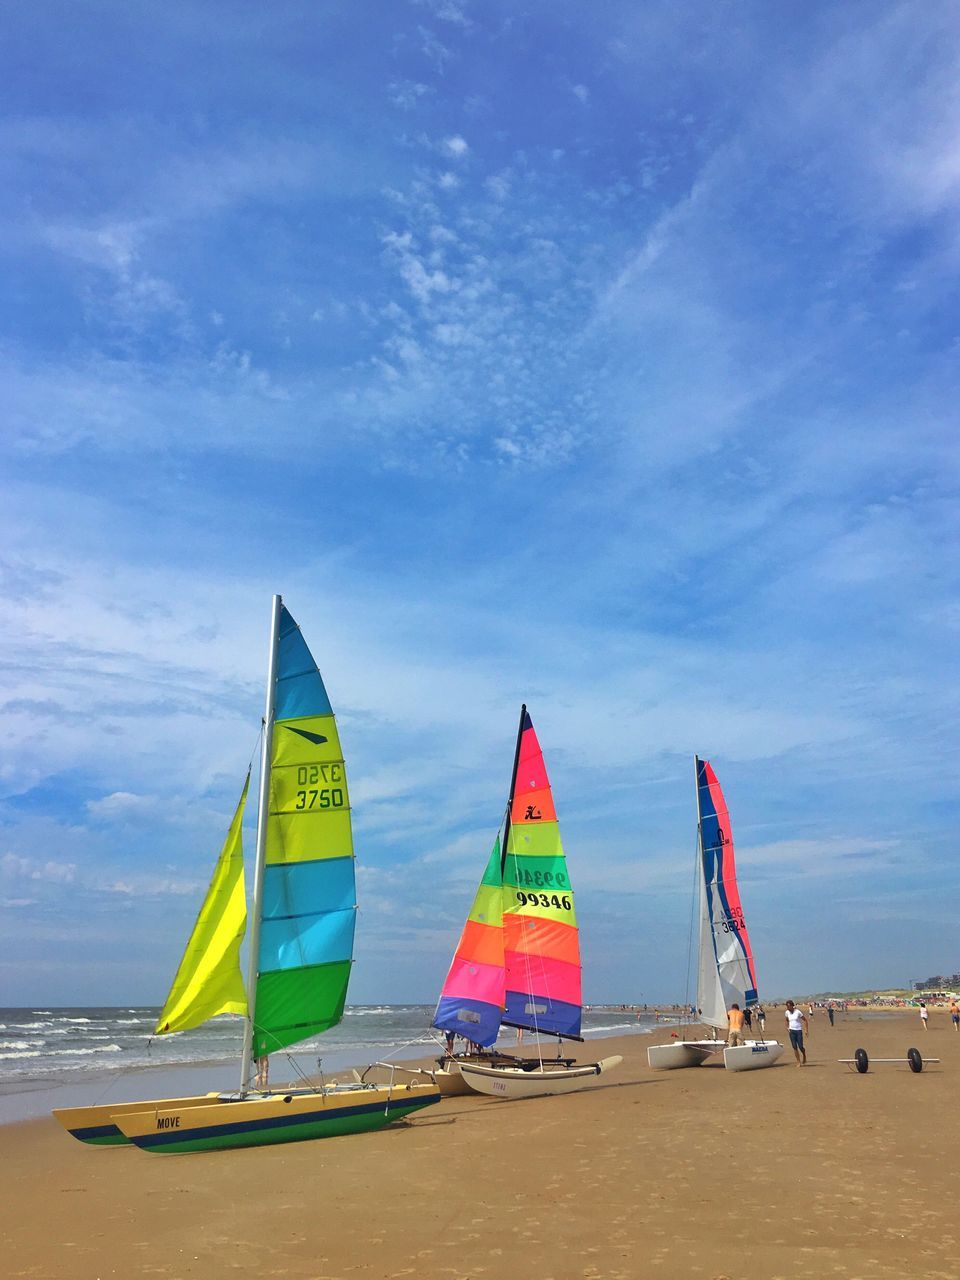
x=939, y=982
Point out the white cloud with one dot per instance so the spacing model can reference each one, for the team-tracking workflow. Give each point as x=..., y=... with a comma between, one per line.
x=498, y=186
x=433, y=49
x=407, y=94
x=581, y=93
x=456, y=146
x=452, y=11
x=121, y=805
x=153, y=887
x=49, y=872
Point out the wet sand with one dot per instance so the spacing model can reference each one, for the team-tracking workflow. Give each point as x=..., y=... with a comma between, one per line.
x=793, y=1173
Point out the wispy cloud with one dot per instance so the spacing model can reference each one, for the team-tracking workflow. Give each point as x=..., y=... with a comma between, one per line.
x=49, y=872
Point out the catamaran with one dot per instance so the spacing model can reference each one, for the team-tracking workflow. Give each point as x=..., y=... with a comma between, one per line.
x=518, y=960
x=301, y=945
x=727, y=975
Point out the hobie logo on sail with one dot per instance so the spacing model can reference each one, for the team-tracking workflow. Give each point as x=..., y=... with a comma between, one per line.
x=317, y=738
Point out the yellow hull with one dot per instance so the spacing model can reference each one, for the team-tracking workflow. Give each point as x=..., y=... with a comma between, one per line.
x=216, y=1124
x=98, y=1125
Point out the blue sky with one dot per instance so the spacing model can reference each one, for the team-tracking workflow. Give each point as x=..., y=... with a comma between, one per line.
x=599, y=357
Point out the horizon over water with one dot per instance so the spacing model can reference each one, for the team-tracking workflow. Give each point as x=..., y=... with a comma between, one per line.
x=81, y=1055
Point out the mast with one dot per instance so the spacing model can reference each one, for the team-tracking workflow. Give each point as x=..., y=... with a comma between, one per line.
x=263, y=812
x=513, y=787
x=700, y=881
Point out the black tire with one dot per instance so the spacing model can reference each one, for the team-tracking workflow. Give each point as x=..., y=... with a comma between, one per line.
x=861, y=1061
x=915, y=1058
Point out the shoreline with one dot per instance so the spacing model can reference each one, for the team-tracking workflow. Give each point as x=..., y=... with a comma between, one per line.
x=22, y=1101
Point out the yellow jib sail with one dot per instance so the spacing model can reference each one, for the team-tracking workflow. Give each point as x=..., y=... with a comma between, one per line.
x=209, y=980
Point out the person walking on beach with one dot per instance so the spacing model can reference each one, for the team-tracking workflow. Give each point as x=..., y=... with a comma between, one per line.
x=924, y=1014
x=796, y=1025
x=747, y=1018
x=735, y=1024
x=955, y=1015
x=830, y=1013
x=761, y=1018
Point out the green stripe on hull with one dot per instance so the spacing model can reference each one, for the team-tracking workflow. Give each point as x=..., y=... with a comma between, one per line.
x=104, y=1140
x=296, y=1130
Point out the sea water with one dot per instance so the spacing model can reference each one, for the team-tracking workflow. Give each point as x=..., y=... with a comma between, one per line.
x=78, y=1056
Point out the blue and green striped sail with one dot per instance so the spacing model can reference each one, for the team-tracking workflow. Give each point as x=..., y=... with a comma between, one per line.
x=309, y=887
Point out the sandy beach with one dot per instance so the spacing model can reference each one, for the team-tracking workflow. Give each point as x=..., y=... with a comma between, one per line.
x=781, y=1173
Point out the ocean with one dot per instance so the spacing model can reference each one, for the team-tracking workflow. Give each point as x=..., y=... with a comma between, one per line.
x=79, y=1056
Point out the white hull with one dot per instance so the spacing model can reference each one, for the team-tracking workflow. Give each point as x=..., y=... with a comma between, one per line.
x=694, y=1053
x=447, y=1075
x=752, y=1055
x=683, y=1053
x=509, y=1082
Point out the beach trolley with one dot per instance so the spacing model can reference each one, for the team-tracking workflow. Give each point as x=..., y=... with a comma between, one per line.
x=860, y=1062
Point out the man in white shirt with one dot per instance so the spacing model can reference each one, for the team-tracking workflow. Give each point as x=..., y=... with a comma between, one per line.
x=796, y=1025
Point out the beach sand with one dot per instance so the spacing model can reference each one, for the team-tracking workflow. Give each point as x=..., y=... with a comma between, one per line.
x=787, y=1172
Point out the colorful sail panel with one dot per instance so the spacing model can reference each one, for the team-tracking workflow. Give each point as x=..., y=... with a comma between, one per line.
x=209, y=980
x=541, y=940
x=471, y=1001
x=725, y=944
x=309, y=887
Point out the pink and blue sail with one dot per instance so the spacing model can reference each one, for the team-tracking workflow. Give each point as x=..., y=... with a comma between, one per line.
x=722, y=914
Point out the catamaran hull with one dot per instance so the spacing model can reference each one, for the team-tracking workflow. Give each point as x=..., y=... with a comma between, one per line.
x=258, y=1122
x=450, y=1082
x=97, y=1126
x=682, y=1053
x=511, y=1082
x=694, y=1053
x=752, y=1055
x=449, y=1079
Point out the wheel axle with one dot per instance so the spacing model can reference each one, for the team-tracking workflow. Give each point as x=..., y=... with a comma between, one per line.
x=861, y=1060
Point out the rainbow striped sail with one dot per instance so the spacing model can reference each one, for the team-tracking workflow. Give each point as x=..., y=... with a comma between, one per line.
x=471, y=1003
x=308, y=895
x=727, y=973
x=518, y=960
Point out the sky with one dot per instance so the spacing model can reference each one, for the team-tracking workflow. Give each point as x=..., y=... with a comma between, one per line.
x=600, y=357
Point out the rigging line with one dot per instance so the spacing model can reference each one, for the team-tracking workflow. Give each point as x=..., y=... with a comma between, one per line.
x=256, y=748
x=395, y=1049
